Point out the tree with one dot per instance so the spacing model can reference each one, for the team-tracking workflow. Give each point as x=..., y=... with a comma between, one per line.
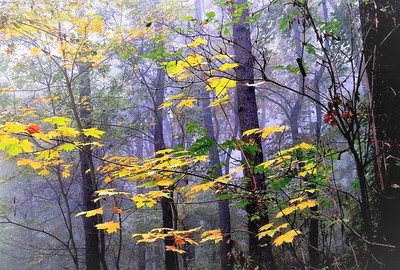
x=381, y=34
x=260, y=251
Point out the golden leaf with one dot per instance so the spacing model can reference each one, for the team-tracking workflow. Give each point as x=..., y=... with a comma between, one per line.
x=198, y=41
x=286, y=238
x=91, y=213
x=226, y=66
x=174, y=249
x=307, y=204
x=286, y=211
x=34, y=164
x=35, y=51
x=212, y=235
x=110, y=226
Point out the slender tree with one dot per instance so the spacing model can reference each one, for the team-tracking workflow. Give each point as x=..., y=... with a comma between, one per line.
x=260, y=250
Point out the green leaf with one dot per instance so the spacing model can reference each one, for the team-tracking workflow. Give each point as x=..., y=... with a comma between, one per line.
x=201, y=146
x=58, y=120
x=210, y=15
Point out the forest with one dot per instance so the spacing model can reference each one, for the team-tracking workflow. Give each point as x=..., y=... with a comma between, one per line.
x=199, y=134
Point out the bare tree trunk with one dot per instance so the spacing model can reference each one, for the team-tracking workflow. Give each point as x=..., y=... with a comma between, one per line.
x=89, y=185
x=169, y=213
x=380, y=27
x=260, y=250
x=226, y=256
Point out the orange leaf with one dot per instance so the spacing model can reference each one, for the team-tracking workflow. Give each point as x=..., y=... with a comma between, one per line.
x=116, y=210
x=33, y=128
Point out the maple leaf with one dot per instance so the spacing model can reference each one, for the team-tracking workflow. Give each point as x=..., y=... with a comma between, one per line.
x=142, y=201
x=165, y=105
x=94, y=132
x=213, y=235
x=91, y=213
x=186, y=102
x=117, y=210
x=265, y=132
x=29, y=162
x=68, y=131
x=194, y=60
x=226, y=66
x=14, y=127
x=286, y=238
x=174, y=249
x=198, y=41
x=110, y=226
x=35, y=51
x=33, y=128
x=286, y=211
x=26, y=145
x=58, y=120
x=308, y=204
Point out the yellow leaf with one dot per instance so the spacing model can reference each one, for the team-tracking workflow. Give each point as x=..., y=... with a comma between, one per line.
x=266, y=227
x=198, y=41
x=218, y=101
x=35, y=51
x=91, y=213
x=194, y=60
x=67, y=131
x=307, y=204
x=213, y=235
x=41, y=136
x=14, y=127
x=221, y=57
x=202, y=187
x=143, y=201
x=299, y=199
x=29, y=162
x=186, y=102
x=164, y=182
x=286, y=238
x=174, y=249
x=265, y=132
x=286, y=211
x=174, y=68
x=107, y=179
x=65, y=174
x=251, y=131
x=110, y=226
x=94, y=132
x=44, y=172
x=226, y=66
x=109, y=192
x=26, y=145
x=304, y=145
x=165, y=104
x=97, y=24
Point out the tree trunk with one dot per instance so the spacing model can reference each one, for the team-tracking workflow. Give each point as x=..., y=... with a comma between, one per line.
x=226, y=256
x=169, y=214
x=260, y=250
x=88, y=182
x=380, y=27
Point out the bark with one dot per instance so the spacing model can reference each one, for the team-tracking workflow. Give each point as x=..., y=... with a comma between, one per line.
x=381, y=35
x=294, y=120
x=89, y=186
x=141, y=247
x=260, y=250
x=226, y=256
x=169, y=213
